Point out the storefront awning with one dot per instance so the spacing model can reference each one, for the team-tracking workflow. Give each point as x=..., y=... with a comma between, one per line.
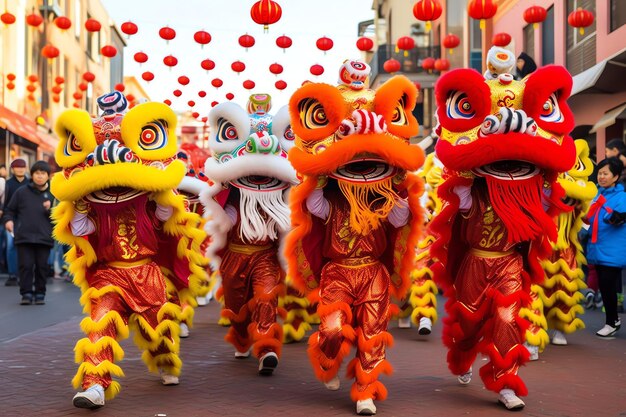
x=609, y=118
x=606, y=76
x=26, y=128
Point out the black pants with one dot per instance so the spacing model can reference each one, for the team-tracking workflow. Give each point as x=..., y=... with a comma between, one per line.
x=608, y=277
x=32, y=262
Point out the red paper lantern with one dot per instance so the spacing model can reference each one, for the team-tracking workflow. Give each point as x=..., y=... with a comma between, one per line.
x=63, y=23
x=280, y=85
x=89, y=77
x=316, y=69
x=129, y=28
x=324, y=44
x=417, y=85
x=238, y=66
x=76, y=105
x=177, y=93
x=216, y=82
x=140, y=57
x=31, y=88
x=33, y=78
x=207, y=64
x=147, y=76
x=580, y=19
x=50, y=51
x=427, y=11
x=120, y=87
x=428, y=64
x=82, y=86
x=283, y=42
x=77, y=95
x=406, y=43
x=7, y=18
x=167, y=33
x=266, y=12
x=214, y=103
x=31, y=97
x=442, y=64
x=195, y=114
x=92, y=25
x=11, y=76
x=201, y=93
x=481, y=10
x=501, y=39
x=451, y=41
x=246, y=41
x=10, y=86
x=364, y=44
x=535, y=15
x=248, y=84
x=230, y=96
x=170, y=61
x=34, y=19
x=191, y=103
x=183, y=80
x=391, y=66
x=57, y=89
x=202, y=37
x=59, y=80
x=56, y=98
x=130, y=98
x=276, y=68
x=108, y=51
x=167, y=101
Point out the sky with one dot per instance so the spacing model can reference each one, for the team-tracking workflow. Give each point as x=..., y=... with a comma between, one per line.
x=226, y=20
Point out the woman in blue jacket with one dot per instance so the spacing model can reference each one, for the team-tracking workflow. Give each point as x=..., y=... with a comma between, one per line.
x=607, y=247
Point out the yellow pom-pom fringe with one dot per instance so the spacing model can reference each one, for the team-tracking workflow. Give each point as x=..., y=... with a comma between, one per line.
x=86, y=347
x=102, y=369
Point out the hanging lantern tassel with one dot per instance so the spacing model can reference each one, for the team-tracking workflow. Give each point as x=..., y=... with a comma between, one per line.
x=451, y=51
x=482, y=24
x=428, y=26
x=535, y=26
x=581, y=30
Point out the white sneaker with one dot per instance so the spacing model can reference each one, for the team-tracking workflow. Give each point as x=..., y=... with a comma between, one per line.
x=242, y=355
x=184, y=330
x=558, y=338
x=404, y=322
x=511, y=401
x=92, y=397
x=167, y=379
x=202, y=301
x=267, y=363
x=465, y=378
x=533, y=350
x=607, y=332
x=365, y=407
x=334, y=384
x=425, y=327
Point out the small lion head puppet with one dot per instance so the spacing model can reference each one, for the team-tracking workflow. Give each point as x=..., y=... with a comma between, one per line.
x=356, y=218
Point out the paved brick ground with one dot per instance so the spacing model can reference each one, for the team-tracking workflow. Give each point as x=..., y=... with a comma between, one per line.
x=585, y=378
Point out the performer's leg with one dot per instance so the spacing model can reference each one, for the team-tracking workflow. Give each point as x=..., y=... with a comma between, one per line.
x=607, y=280
x=97, y=352
x=371, y=316
x=237, y=290
x=333, y=340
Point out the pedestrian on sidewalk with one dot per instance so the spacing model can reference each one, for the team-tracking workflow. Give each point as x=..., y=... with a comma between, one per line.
x=27, y=218
x=605, y=250
x=18, y=180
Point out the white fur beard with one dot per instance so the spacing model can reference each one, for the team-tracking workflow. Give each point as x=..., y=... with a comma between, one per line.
x=254, y=224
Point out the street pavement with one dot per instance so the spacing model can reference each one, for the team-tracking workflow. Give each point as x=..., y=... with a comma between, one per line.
x=585, y=378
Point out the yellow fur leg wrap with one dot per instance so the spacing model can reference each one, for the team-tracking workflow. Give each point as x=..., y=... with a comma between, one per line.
x=89, y=326
x=540, y=338
x=291, y=334
x=168, y=362
x=85, y=347
x=112, y=390
x=92, y=293
x=166, y=333
x=103, y=368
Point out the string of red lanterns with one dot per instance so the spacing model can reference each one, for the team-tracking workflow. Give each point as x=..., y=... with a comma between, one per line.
x=266, y=12
x=427, y=11
x=580, y=18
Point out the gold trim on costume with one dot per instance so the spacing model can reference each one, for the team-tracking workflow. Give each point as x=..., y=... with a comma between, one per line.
x=123, y=264
x=356, y=262
x=248, y=249
x=490, y=254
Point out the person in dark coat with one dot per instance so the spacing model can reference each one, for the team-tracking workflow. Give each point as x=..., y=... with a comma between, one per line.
x=525, y=65
x=27, y=218
x=17, y=180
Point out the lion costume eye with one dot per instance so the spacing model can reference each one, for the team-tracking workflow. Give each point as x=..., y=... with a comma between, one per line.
x=153, y=135
x=225, y=131
x=458, y=106
x=72, y=146
x=313, y=114
x=76, y=137
x=550, y=111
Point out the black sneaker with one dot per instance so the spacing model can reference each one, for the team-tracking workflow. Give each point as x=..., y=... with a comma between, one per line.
x=27, y=299
x=11, y=282
x=40, y=299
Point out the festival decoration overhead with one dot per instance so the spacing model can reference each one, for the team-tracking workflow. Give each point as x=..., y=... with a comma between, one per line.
x=230, y=96
x=451, y=41
x=580, y=18
x=276, y=68
x=34, y=19
x=183, y=80
x=7, y=18
x=246, y=41
x=280, y=85
x=217, y=83
x=129, y=28
x=284, y=42
x=170, y=61
x=89, y=77
x=238, y=67
x=364, y=44
x=201, y=93
x=427, y=11
x=316, y=69
x=108, y=51
x=249, y=84
x=501, y=39
x=167, y=33
x=442, y=64
x=428, y=64
x=63, y=23
x=266, y=12
x=202, y=37
x=92, y=25
x=324, y=44
x=481, y=10
x=391, y=65
x=405, y=43
x=50, y=51
x=535, y=15
x=140, y=57
x=147, y=76
x=207, y=64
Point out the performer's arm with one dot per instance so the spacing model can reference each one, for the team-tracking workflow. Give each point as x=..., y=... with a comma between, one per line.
x=399, y=214
x=231, y=211
x=163, y=213
x=317, y=204
x=81, y=224
x=464, y=192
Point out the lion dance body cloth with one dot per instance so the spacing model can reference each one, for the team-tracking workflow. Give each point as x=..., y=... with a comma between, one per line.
x=502, y=143
x=356, y=218
x=247, y=215
x=120, y=214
